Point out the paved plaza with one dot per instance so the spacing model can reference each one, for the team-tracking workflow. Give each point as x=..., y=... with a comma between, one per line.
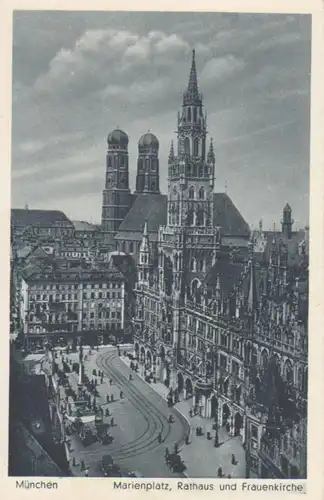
x=139, y=416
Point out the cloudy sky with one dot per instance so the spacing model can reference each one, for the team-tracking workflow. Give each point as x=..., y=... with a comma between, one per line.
x=76, y=76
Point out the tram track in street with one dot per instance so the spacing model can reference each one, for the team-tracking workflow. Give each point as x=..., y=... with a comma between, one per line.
x=156, y=422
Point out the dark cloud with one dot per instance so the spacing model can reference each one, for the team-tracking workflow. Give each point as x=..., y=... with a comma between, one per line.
x=78, y=75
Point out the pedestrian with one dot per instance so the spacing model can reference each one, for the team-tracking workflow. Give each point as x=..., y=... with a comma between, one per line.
x=233, y=459
x=130, y=377
x=86, y=472
x=82, y=465
x=220, y=472
x=176, y=449
x=112, y=421
x=101, y=380
x=112, y=398
x=121, y=395
x=160, y=437
x=107, y=398
x=229, y=476
x=190, y=412
x=110, y=381
x=107, y=412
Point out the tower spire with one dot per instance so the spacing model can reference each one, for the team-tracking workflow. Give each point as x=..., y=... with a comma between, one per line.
x=192, y=90
x=211, y=154
x=171, y=154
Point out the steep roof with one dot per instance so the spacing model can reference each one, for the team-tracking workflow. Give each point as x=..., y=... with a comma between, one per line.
x=81, y=225
x=229, y=271
x=153, y=207
x=228, y=217
x=150, y=207
x=45, y=218
x=291, y=244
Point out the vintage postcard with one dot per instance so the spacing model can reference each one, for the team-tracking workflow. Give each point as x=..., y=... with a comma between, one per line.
x=165, y=234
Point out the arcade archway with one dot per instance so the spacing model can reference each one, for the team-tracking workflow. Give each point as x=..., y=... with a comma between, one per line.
x=180, y=382
x=142, y=354
x=149, y=358
x=188, y=387
x=238, y=424
x=214, y=407
x=225, y=414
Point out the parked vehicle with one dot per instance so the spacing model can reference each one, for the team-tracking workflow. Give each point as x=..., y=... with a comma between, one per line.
x=175, y=463
x=109, y=468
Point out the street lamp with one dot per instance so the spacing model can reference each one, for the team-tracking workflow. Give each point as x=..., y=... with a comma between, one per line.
x=215, y=356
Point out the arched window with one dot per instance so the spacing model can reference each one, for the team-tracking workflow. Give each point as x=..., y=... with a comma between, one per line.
x=187, y=146
x=191, y=218
x=196, y=146
x=124, y=247
x=194, y=287
x=289, y=374
x=195, y=114
x=201, y=193
x=192, y=193
x=201, y=265
x=189, y=114
x=131, y=247
x=201, y=171
x=193, y=265
x=199, y=217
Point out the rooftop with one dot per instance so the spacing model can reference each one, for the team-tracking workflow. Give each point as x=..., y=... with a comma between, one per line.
x=43, y=218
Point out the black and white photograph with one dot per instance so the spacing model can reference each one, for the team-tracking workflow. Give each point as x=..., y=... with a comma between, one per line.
x=159, y=236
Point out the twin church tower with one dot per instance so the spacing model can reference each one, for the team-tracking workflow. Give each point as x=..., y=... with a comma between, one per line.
x=190, y=171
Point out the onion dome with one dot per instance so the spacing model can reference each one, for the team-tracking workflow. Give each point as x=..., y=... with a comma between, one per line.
x=148, y=140
x=117, y=138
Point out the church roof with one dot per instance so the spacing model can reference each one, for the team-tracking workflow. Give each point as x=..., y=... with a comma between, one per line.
x=228, y=217
x=43, y=218
x=150, y=207
x=153, y=207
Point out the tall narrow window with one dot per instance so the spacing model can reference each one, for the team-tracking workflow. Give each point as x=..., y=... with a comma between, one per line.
x=187, y=146
x=196, y=146
x=201, y=193
x=192, y=192
x=195, y=114
x=189, y=114
x=193, y=265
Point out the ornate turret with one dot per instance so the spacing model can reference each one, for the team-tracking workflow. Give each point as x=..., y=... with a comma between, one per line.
x=287, y=222
x=144, y=262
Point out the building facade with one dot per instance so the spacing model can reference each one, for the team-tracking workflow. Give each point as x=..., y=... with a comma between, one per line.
x=62, y=304
x=222, y=317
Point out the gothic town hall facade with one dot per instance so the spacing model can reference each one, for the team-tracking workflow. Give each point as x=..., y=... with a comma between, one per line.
x=220, y=311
